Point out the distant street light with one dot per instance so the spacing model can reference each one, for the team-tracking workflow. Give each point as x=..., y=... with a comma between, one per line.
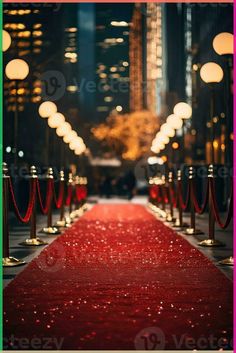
x=76, y=143
x=183, y=110
x=56, y=120
x=69, y=136
x=223, y=43
x=211, y=73
x=17, y=70
x=64, y=129
x=167, y=130
x=6, y=40
x=46, y=109
x=174, y=121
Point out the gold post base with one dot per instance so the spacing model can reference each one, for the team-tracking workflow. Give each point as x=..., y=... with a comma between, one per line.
x=69, y=220
x=85, y=207
x=12, y=262
x=50, y=230
x=170, y=219
x=227, y=262
x=62, y=224
x=73, y=215
x=211, y=243
x=33, y=242
x=177, y=224
x=192, y=231
x=162, y=213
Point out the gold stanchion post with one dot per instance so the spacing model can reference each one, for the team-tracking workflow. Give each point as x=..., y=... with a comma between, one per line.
x=170, y=215
x=76, y=212
x=62, y=222
x=179, y=220
x=162, y=211
x=69, y=220
x=33, y=240
x=7, y=261
x=211, y=241
x=192, y=229
x=50, y=229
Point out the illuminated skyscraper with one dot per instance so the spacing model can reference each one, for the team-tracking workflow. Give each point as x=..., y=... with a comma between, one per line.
x=147, y=59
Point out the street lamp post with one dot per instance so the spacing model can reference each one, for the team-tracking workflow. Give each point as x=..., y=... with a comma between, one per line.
x=223, y=44
x=47, y=109
x=212, y=73
x=17, y=70
x=184, y=112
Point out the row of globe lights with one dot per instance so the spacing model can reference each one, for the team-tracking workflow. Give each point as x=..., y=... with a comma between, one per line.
x=210, y=73
x=18, y=69
x=173, y=123
x=56, y=120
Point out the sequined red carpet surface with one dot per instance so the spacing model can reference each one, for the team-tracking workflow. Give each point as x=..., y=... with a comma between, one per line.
x=118, y=279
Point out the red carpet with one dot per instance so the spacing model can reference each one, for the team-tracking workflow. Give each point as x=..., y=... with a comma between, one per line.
x=119, y=279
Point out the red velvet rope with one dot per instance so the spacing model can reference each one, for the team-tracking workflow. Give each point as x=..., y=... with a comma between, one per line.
x=69, y=195
x=183, y=205
x=164, y=194
x=58, y=201
x=31, y=202
x=83, y=192
x=200, y=209
x=173, y=197
x=154, y=192
x=221, y=224
x=45, y=209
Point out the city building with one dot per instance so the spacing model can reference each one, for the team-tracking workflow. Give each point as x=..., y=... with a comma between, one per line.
x=147, y=59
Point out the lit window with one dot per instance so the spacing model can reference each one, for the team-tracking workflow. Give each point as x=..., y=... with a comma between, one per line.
x=119, y=108
x=108, y=99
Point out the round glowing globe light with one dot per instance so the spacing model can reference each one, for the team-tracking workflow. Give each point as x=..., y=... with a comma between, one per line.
x=63, y=129
x=167, y=130
x=155, y=149
x=183, y=110
x=47, y=109
x=6, y=40
x=162, y=146
x=211, y=73
x=76, y=143
x=70, y=136
x=56, y=120
x=223, y=43
x=174, y=121
x=17, y=69
x=80, y=150
x=162, y=138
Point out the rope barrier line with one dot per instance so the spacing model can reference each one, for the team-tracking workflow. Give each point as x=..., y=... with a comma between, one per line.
x=69, y=195
x=200, y=209
x=35, y=194
x=229, y=216
x=175, y=199
x=58, y=201
x=49, y=192
x=173, y=196
x=184, y=205
x=26, y=218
